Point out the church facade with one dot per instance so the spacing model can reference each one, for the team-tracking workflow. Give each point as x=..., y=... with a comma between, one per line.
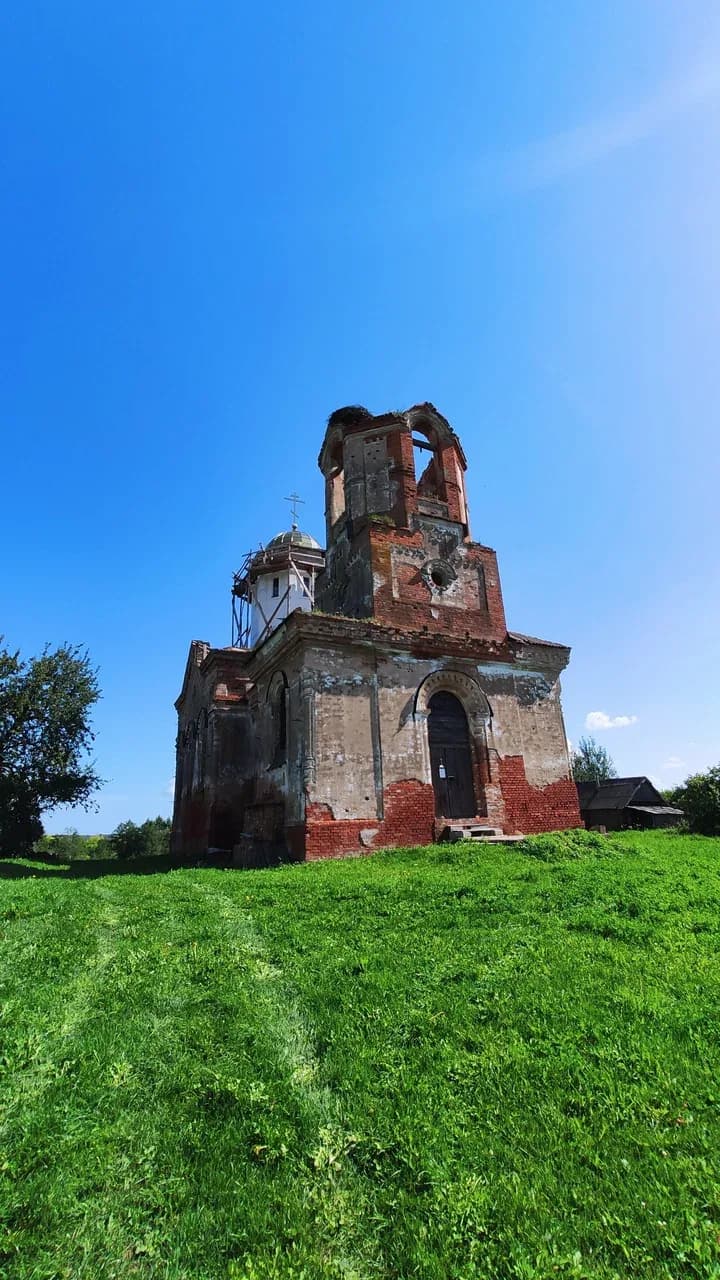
x=376, y=696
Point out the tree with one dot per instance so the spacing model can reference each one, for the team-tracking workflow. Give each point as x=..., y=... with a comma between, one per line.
x=45, y=737
x=699, y=798
x=149, y=840
x=70, y=846
x=591, y=762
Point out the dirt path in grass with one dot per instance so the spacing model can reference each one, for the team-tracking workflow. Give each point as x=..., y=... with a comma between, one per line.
x=336, y=1188
x=161, y=1110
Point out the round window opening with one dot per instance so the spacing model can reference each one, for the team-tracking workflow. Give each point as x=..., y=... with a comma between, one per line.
x=438, y=574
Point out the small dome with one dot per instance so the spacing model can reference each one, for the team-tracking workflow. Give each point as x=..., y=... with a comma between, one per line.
x=293, y=538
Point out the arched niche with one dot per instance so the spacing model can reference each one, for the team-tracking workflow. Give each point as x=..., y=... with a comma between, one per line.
x=474, y=703
x=465, y=688
x=439, y=464
x=335, y=484
x=332, y=465
x=452, y=763
x=277, y=700
x=429, y=476
x=426, y=419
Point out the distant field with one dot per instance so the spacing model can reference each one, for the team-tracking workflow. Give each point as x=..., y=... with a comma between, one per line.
x=446, y=1064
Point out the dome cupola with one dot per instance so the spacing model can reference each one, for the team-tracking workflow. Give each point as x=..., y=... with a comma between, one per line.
x=275, y=580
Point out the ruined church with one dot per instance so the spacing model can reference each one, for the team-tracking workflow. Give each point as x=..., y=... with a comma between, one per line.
x=373, y=694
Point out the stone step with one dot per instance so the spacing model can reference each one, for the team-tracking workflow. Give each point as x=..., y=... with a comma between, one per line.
x=470, y=831
x=473, y=831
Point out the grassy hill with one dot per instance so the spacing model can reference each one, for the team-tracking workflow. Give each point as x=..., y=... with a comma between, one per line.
x=444, y=1063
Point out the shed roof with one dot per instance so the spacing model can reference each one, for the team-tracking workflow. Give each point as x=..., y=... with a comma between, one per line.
x=656, y=808
x=619, y=793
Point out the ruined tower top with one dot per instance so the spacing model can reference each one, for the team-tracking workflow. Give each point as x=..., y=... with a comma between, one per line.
x=398, y=465
x=398, y=533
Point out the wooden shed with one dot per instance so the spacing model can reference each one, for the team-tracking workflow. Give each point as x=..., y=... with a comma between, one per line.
x=625, y=802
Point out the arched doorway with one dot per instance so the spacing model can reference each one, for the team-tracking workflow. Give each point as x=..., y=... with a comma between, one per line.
x=450, y=757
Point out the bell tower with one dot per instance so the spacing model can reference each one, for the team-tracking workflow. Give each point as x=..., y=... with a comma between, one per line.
x=398, y=536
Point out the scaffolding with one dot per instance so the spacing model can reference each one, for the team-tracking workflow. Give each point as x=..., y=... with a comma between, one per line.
x=243, y=600
x=241, y=604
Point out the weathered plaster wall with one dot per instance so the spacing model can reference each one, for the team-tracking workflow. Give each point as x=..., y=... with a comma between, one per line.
x=356, y=745
x=527, y=720
x=343, y=750
x=345, y=587
x=370, y=741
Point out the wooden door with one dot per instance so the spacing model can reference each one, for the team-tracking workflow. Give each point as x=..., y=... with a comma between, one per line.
x=451, y=757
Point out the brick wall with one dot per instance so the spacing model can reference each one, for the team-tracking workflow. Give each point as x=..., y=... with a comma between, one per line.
x=533, y=809
x=409, y=819
x=417, y=609
x=400, y=453
x=410, y=815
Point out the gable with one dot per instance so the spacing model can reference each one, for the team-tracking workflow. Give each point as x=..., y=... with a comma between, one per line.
x=617, y=793
x=648, y=794
x=199, y=649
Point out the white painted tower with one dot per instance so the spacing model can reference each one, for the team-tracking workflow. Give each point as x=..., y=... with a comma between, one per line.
x=275, y=581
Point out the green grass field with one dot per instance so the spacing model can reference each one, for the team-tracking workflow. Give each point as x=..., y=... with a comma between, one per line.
x=445, y=1063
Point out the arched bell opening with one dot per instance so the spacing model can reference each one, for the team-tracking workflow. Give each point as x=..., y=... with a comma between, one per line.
x=335, y=499
x=277, y=700
x=429, y=476
x=439, y=467
x=452, y=762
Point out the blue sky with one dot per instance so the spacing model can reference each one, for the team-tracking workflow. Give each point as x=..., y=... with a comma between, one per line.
x=220, y=222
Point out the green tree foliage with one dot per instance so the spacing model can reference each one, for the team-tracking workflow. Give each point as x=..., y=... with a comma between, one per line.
x=591, y=762
x=70, y=846
x=699, y=798
x=45, y=737
x=150, y=839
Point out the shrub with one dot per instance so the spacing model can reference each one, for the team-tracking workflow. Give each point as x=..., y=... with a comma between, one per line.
x=699, y=798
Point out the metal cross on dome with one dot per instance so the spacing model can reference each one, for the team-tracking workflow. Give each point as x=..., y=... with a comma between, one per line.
x=294, y=499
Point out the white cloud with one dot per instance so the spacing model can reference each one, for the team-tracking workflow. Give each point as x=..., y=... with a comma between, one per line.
x=170, y=789
x=674, y=762
x=599, y=720
x=551, y=158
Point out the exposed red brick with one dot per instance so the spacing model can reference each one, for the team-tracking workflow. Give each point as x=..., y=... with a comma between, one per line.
x=409, y=819
x=533, y=809
x=414, y=610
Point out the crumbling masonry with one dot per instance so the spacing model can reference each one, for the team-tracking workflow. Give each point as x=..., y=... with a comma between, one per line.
x=376, y=696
